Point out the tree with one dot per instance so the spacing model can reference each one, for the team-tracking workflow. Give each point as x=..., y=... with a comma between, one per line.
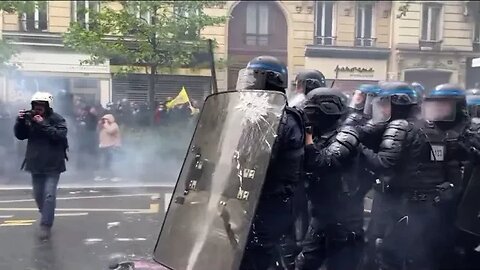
x=7, y=49
x=152, y=34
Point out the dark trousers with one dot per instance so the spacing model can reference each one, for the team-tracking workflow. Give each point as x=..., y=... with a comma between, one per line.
x=336, y=249
x=45, y=194
x=274, y=219
x=410, y=234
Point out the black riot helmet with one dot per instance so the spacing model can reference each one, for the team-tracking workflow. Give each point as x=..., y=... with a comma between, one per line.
x=307, y=80
x=473, y=102
x=263, y=73
x=446, y=103
x=324, y=107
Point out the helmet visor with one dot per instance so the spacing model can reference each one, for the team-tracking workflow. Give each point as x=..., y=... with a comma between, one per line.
x=357, y=101
x=381, y=109
x=367, y=110
x=249, y=79
x=439, y=110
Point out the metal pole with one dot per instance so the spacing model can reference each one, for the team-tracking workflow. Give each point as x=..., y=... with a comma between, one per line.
x=212, y=67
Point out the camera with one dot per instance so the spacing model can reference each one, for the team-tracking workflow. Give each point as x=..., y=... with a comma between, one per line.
x=28, y=115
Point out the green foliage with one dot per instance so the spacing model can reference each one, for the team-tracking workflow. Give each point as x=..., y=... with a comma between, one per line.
x=403, y=9
x=7, y=50
x=144, y=33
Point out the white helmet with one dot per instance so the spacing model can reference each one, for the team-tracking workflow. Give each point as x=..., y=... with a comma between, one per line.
x=43, y=97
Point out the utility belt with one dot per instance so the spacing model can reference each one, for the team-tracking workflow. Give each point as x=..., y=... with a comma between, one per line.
x=432, y=194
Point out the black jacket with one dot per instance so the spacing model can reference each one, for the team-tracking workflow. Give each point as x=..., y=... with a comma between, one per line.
x=47, y=144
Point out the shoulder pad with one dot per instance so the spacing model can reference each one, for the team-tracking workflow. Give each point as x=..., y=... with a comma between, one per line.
x=353, y=119
x=299, y=115
x=395, y=131
x=399, y=124
x=348, y=136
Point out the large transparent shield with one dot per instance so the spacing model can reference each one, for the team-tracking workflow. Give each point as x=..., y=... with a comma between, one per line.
x=209, y=218
x=468, y=216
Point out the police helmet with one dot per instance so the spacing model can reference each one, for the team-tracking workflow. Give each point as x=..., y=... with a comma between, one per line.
x=263, y=73
x=473, y=102
x=361, y=94
x=394, y=101
x=446, y=102
x=324, y=106
x=309, y=79
x=418, y=87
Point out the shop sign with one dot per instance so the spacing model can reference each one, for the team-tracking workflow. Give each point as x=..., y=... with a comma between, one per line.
x=356, y=72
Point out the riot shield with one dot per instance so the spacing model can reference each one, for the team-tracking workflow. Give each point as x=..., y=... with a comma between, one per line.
x=468, y=214
x=208, y=221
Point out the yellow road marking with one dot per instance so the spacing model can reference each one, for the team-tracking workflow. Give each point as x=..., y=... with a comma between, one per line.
x=20, y=221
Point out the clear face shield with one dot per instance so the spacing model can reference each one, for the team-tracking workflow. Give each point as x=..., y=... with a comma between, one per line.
x=357, y=101
x=367, y=110
x=296, y=93
x=250, y=79
x=381, y=109
x=439, y=110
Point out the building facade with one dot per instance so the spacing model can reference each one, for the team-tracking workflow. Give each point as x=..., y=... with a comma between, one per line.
x=351, y=42
x=435, y=42
x=44, y=64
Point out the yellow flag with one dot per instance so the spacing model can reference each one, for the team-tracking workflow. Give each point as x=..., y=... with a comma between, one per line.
x=181, y=98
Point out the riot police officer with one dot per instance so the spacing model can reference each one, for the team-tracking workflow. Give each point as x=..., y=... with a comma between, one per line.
x=419, y=167
x=335, y=234
x=272, y=229
x=473, y=102
x=305, y=81
x=360, y=104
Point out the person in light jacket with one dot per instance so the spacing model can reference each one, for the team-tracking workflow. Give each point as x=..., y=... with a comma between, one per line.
x=109, y=141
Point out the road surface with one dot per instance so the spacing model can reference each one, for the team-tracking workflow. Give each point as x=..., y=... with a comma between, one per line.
x=90, y=226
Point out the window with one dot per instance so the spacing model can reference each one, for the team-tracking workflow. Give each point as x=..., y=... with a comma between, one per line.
x=144, y=15
x=324, y=23
x=81, y=11
x=364, y=25
x=431, y=22
x=476, y=33
x=186, y=28
x=35, y=20
x=257, y=24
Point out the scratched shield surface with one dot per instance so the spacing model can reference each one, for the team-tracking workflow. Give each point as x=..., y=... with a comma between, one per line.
x=213, y=204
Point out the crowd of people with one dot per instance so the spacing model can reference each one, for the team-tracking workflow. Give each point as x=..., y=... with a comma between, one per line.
x=103, y=138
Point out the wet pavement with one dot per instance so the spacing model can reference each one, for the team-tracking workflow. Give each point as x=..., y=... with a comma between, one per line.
x=91, y=225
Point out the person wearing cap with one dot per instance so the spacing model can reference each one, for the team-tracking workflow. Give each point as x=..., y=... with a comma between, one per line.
x=46, y=132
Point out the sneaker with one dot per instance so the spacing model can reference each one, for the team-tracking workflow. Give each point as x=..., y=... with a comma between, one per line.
x=44, y=232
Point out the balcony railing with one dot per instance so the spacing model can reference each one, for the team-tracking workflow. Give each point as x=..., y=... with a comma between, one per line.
x=365, y=42
x=325, y=41
x=430, y=44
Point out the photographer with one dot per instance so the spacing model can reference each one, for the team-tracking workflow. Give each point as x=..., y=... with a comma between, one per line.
x=46, y=132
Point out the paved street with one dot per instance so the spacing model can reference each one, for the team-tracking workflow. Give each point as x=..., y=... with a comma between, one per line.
x=90, y=226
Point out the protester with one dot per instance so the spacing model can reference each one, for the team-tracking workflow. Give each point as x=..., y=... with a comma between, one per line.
x=110, y=142
x=46, y=132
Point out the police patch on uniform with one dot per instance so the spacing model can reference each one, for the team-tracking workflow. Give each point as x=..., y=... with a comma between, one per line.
x=438, y=153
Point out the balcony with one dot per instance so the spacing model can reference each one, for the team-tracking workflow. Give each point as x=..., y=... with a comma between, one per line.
x=34, y=38
x=365, y=42
x=325, y=41
x=430, y=45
